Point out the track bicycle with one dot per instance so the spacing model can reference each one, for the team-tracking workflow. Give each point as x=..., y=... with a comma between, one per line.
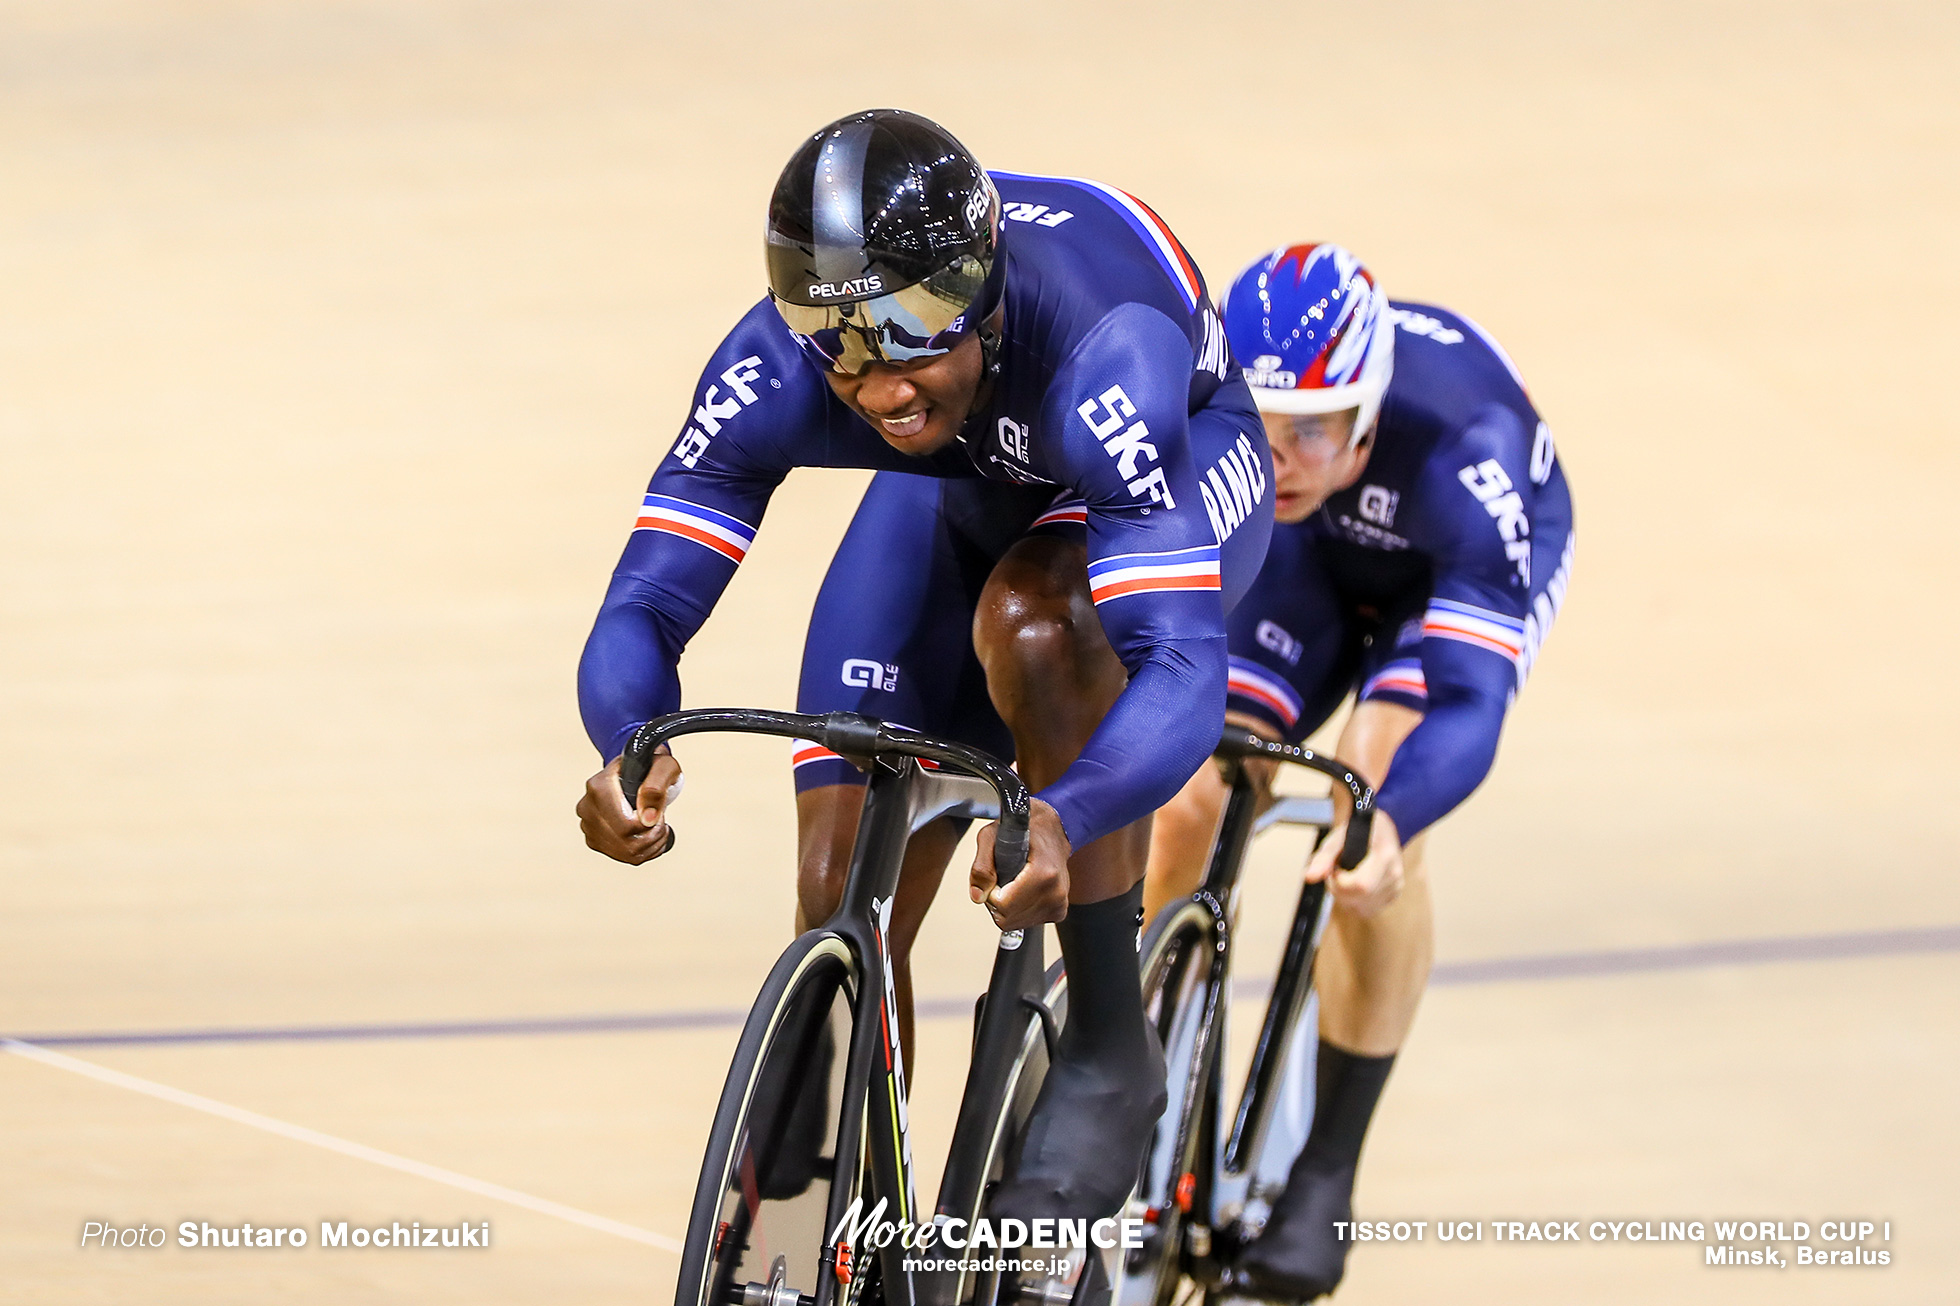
x=1208, y=1179
x=812, y=1117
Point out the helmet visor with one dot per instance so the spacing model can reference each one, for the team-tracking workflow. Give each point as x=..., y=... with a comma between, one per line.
x=920, y=321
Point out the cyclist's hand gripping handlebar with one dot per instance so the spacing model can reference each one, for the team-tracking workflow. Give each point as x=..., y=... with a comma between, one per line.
x=1243, y=743
x=860, y=739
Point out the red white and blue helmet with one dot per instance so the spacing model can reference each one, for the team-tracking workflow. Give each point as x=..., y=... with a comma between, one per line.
x=1314, y=333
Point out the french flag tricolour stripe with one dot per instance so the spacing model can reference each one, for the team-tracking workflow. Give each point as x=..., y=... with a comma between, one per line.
x=1154, y=231
x=728, y=536
x=1447, y=619
x=1403, y=676
x=1250, y=680
x=1151, y=573
x=805, y=751
x=1067, y=510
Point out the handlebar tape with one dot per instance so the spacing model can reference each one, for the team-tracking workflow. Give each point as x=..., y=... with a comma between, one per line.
x=1355, y=846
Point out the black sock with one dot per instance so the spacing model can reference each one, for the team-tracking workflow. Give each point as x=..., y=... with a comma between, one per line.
x=1347, y=1086
x=1105, y=1089
x=1099, y=951
x=1297, y=1251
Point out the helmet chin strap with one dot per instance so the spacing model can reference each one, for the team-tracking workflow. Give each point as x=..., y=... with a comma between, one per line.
x=989, y=333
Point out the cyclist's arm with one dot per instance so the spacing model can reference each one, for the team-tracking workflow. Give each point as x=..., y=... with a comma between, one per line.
x=755, y=404
x=1120, y=409
x=1473, y=630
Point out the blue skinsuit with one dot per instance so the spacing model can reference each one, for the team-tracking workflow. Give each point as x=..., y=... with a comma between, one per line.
x=1117, y=412
x=1431, y=582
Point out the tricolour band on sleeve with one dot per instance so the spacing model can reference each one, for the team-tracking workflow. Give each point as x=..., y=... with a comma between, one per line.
x=1248, y=680
x=1067, y=509
x=1153, y=573
x=728, y=536
x=1402, y=676
x=1480, y=627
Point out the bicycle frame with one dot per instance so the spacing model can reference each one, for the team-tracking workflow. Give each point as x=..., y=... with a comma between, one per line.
x=901, y=798
x=1230, y=1163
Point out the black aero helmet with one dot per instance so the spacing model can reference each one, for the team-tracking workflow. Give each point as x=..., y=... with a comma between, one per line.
x=882, y=236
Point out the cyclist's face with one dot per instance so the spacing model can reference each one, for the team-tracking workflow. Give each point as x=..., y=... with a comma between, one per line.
x=918, y=406
x=1312, y=460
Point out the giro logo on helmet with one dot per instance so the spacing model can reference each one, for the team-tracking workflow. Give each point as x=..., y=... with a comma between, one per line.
x=855, y=286
x=1267, y=372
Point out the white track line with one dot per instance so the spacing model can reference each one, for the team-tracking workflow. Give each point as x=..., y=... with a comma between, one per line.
x=359, y=1151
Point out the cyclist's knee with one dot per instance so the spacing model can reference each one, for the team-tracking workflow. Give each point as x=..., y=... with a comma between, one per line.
x=1036, y=625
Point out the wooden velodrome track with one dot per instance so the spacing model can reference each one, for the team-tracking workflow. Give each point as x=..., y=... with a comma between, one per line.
x=338, y=339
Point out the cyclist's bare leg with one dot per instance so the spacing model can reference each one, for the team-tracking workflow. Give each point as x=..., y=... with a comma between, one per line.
x=1053, y=676
x=826, y=827
x=1371, y=971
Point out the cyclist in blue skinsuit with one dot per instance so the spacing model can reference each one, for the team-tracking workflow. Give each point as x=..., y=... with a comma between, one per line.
x=1424, y=547
x=1035, y=350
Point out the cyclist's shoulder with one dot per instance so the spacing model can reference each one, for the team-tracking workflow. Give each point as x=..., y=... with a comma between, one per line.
x=759, y=402
x=1079, y=250
x=1448, y=369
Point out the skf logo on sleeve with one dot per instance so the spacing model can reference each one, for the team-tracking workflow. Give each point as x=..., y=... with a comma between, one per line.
x=713, y=411
x=1493, y=489
x=1127, y=442
x=863, y=673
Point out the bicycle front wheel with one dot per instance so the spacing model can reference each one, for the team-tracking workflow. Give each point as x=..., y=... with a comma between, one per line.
x=757, y=1229
x=1178, y=993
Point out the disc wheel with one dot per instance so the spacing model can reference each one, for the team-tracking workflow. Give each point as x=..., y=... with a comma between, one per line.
x=757, y=1232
